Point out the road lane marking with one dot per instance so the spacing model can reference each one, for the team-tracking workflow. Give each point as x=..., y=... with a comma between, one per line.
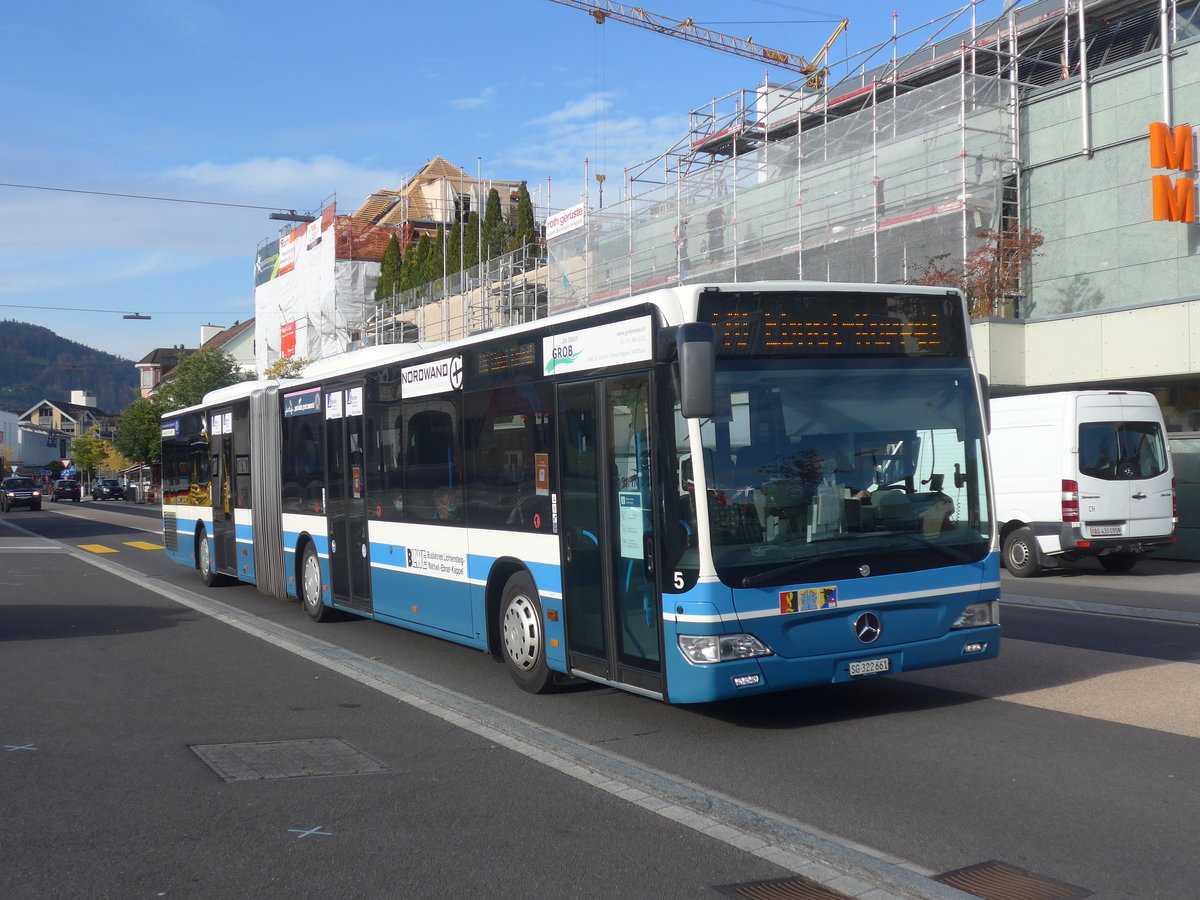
x=142, y=545
x=97, y=548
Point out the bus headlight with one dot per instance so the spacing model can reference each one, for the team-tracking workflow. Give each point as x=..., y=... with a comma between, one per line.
x=987, y=613
x=713, y=648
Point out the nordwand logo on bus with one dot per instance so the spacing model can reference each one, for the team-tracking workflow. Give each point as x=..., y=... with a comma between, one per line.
x=593, y=348
x=434, y=377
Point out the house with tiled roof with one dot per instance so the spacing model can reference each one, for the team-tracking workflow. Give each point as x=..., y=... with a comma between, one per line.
x=157, y=363
x=237, y=340
x=439, y=194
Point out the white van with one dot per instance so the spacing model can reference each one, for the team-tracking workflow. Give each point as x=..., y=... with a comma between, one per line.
x=1081, y=473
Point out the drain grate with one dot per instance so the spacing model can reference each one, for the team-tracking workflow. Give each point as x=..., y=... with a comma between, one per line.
x=273, y=760
x=995, y=880
x=795, y=888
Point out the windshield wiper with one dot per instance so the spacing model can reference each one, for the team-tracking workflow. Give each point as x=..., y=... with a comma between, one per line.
x=759, y=579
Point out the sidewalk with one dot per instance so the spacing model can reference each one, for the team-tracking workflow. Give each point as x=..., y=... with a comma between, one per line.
x=1161, y=589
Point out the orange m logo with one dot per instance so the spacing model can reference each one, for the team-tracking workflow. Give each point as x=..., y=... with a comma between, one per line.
x=1174, y=203
x=1171, y=149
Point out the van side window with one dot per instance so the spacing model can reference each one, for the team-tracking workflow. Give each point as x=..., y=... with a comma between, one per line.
x=1121, y=451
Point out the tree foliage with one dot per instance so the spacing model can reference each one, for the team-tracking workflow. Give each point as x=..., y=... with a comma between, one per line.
x=196, y=375
x=525, y=227
x=138, y=435
x=88, y=452
x=990, y=274
x=286, y=367
x=389, y=270
x=495, y=230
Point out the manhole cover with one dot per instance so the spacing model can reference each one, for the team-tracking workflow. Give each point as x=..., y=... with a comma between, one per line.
x=271, y=760
x=795, y=888
x=999, y=881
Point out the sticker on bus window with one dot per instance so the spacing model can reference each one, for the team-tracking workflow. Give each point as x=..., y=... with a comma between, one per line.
x=541, y=474
x=808, y=599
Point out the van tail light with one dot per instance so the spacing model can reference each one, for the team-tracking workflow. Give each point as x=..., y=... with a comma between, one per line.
x=1174, y=502
x=1070, y=501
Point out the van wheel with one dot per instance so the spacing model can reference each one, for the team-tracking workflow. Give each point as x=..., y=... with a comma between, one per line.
x=1119, y=562
x=523, y=635
x=1022, y=556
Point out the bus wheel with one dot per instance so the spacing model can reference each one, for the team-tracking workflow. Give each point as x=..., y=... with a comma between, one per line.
x=1022, y=557
x=204, y=563
x=311, y=596
x=523, y=636
x=1119, y=562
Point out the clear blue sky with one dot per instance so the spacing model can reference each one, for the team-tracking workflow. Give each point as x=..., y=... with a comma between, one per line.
x=282, y=105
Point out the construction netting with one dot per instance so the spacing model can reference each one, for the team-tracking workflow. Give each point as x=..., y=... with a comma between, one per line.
x=870, y=196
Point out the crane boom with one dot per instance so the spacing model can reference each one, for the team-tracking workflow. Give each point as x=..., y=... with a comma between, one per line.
x=601, y=11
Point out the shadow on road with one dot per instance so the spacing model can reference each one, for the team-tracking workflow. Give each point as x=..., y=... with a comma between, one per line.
x=41, y=622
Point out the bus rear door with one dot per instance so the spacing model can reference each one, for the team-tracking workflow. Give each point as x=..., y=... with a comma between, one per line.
x=611, y=600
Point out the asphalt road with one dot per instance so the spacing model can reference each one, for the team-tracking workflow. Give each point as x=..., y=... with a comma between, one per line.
x=1072, y=756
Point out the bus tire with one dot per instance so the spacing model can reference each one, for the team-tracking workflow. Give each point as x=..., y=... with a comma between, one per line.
x=204, y=562
x=1119, y=562
x=523, y=635
x=312, y=598
x=1022, y=556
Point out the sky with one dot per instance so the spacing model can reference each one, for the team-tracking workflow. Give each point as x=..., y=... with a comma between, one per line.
x=228, y=110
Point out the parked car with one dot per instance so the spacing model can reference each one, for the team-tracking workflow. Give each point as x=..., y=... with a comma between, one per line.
x=108, y=489
x=19, y=491
x=66, y=489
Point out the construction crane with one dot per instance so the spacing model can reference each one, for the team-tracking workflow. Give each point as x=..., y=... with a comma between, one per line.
x=688, y=30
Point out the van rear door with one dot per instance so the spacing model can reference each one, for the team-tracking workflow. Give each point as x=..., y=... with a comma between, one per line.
x=1123, y=466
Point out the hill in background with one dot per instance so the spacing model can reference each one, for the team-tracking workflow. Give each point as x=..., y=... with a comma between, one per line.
x=36, y=364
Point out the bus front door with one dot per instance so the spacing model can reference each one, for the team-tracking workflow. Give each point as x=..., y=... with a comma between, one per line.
x=611, y=599
x=345, y=499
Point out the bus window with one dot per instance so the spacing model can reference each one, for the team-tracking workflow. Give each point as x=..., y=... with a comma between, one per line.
x=432, y=473
x=507, y=431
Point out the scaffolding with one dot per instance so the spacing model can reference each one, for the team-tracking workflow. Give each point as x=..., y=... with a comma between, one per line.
x=506, y=290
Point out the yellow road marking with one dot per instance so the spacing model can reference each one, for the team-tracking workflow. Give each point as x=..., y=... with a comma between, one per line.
x=143, y=545
x=97, y=548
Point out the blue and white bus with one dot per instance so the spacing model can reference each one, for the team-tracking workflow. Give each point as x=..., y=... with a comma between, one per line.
x=695, y=494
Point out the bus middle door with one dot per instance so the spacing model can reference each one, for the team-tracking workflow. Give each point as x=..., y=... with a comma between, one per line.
x=611, y=599
x=222, y=489
x=345, y=500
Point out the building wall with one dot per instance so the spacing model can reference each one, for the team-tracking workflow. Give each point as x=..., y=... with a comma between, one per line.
x=1102, y=248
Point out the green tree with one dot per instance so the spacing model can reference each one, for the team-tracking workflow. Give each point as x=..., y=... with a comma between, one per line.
x=139, y=434
x=471, y=241
x=88, y=452
x=196, y=375
x=389, y=270
x=525, y=230
x=286, y=367
x=495, y=229
x=454, y=248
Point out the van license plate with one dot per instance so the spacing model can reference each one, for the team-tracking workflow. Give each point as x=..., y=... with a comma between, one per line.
x=869, y=666
x=1105, y=529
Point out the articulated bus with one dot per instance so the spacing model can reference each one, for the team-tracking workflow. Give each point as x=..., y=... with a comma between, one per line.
x=695, y=494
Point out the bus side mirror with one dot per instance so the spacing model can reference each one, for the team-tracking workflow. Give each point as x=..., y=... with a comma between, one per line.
x=697, y=370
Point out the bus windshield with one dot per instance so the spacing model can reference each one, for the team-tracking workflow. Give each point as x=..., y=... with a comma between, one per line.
x=811, y=468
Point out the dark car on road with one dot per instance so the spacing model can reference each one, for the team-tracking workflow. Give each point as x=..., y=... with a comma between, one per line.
x=18, y=491
x=66, y=489
x=108, y=489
